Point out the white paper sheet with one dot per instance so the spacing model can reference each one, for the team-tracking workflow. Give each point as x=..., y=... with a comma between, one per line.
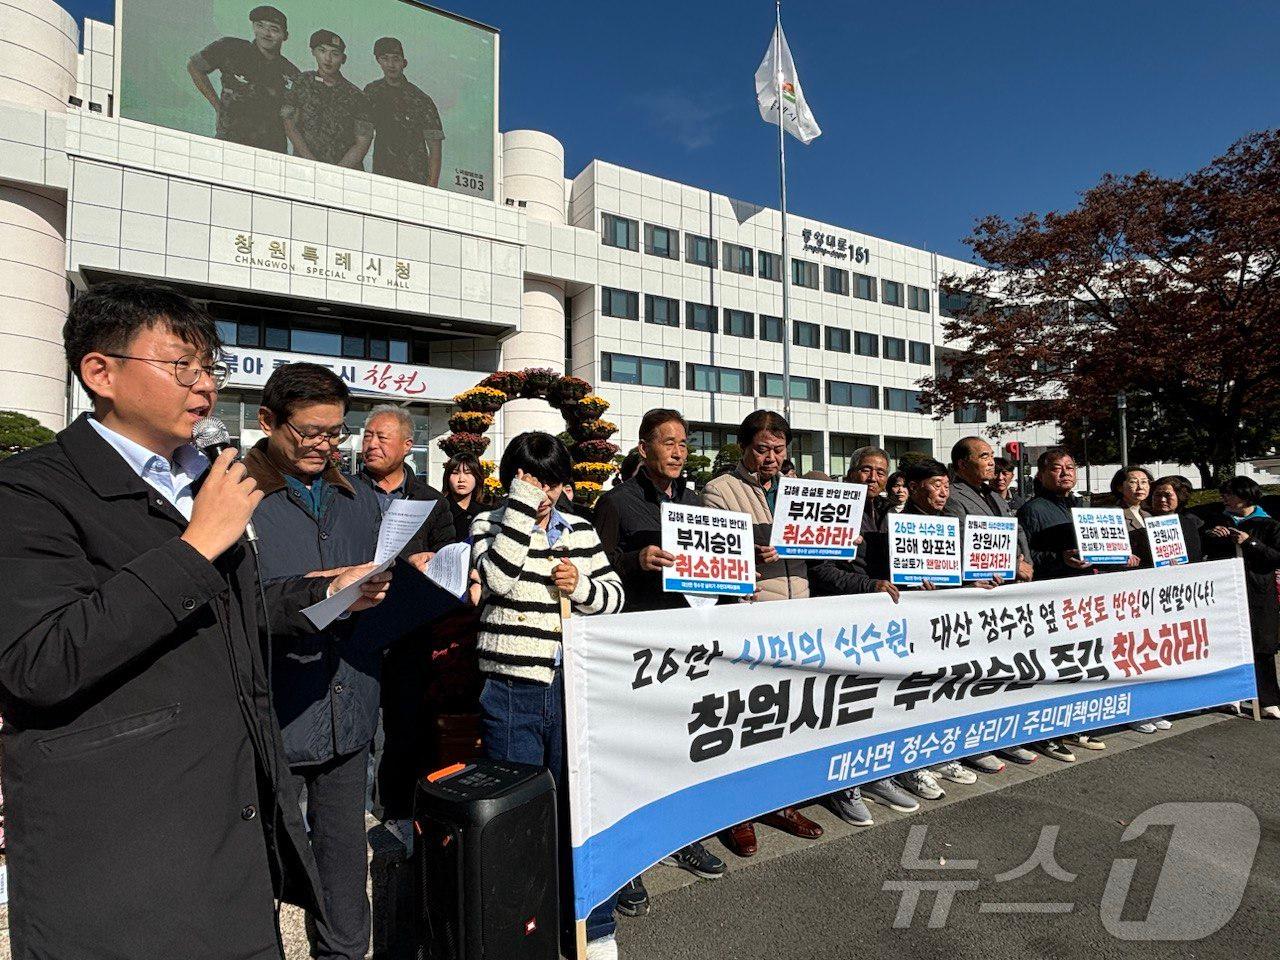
x=401, y=521
x=450, y=568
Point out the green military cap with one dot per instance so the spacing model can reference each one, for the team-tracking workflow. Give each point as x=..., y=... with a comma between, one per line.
x=268, y=15
x=329, y=37
x=388, y=45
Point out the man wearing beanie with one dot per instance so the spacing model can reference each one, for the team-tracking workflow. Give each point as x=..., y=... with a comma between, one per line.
x=255, y=77
x=326, y=117
x=409, y=135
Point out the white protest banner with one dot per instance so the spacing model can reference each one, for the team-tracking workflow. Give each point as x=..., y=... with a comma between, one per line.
x=1101, y=534
x=818, y=518
x=1168, y=546
x=747, y=708
x=990, y=547
x=714, y=551
x=924, y=548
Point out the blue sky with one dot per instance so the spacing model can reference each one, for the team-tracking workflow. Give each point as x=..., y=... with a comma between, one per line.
x=933, y=113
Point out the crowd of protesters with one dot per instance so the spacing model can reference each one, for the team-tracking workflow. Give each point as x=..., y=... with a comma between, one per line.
x=484, y=675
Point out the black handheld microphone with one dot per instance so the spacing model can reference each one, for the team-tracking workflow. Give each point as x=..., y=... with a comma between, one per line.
x=210, y=437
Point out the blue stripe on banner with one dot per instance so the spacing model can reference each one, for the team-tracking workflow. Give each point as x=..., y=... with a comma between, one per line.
x=845, y=553
x=708, y=586
x=644, y=837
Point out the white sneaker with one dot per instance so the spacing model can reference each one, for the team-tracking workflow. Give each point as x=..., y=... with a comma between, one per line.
x=953, y=771
x=606, y=948
x=1162, y=724
x=1143, y=726
x=922, y=783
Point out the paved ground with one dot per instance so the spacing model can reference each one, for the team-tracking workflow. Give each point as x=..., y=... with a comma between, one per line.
x=829, y=899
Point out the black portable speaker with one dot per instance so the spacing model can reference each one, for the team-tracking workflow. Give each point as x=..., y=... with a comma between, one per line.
x=487, y=887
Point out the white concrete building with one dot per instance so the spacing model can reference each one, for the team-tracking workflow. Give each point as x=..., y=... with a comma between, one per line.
x=659, y=293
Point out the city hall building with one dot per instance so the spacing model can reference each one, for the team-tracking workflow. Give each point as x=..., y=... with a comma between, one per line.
x=658, y=293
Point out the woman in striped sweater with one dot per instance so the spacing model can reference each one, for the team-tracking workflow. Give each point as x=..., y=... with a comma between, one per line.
x=528, y=554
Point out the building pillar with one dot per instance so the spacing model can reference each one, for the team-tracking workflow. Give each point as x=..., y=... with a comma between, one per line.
x=38, y=69
x=533, y=172
x=33, y=304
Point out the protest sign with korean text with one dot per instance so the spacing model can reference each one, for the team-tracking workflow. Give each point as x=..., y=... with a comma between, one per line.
x=1168, y=545
x=714, y=551
x=990, y=548
x=1101, y=535
x=747, y=708
x=818, y=518
x=924, y=548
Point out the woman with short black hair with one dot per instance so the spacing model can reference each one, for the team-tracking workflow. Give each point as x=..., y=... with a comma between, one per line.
x=1246, y=531
x=1172, y=494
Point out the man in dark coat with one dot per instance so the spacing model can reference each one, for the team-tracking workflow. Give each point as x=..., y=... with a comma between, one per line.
x=1046, y=518
x=326, y=684
x=148, y=803
x=407, y=719
x=629, y=521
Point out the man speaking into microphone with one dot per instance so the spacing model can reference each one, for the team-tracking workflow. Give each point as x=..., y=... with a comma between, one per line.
x=149, y=807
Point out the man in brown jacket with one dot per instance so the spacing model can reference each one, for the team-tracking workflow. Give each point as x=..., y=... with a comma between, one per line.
x=752, y=488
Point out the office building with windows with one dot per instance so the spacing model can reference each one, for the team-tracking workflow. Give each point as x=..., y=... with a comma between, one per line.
x=659, y=293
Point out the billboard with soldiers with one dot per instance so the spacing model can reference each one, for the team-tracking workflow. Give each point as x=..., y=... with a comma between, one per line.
x=387, y=86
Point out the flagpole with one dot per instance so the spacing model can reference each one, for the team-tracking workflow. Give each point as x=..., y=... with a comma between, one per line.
x=782, y=190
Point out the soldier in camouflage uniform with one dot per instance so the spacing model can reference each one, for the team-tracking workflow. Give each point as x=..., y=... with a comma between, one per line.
x=409, y=136
x=255, y=80
x=326, y=116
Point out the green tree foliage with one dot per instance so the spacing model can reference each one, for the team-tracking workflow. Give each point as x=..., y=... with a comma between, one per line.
x=1168, y=289
x=19, y=432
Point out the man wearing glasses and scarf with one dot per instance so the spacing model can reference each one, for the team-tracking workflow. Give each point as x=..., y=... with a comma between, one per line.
x=326, y=685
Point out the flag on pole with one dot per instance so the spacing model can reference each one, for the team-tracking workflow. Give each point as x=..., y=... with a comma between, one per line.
x=778, y=71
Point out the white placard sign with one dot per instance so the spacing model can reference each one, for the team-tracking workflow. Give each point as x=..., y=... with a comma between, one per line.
x=714, y=551
x=1168, y=546
x=1101, y=535
x=924, y=548
x=990, y=548
x=818, y=518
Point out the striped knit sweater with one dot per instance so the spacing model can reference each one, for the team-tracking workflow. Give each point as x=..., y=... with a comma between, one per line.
x=519, y=603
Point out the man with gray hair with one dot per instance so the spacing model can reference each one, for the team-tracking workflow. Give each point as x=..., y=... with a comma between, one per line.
x=406, y=721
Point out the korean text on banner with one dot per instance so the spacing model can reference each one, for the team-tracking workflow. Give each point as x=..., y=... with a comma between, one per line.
x=714, y=551
x=747, y=708
x=1168, y=545
x=924, y=548
x=818, y=518
x=990, y=547
x=1101, y=535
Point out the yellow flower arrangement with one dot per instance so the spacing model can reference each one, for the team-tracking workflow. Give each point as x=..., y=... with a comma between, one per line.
x=592, y=472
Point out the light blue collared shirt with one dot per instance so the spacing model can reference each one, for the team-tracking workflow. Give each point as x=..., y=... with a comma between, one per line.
x=172, y=480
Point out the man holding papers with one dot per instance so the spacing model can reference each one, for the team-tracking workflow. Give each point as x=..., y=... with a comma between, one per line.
x=326, y=685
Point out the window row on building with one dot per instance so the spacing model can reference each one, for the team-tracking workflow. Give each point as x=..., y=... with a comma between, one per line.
x=625, y=233
x=707, y=378
x=1011, y=411
x=666, y=312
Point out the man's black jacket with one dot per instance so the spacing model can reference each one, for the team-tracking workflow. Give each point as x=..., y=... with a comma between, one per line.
x=628, y=519
x=148, y=804
x=437, y=530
